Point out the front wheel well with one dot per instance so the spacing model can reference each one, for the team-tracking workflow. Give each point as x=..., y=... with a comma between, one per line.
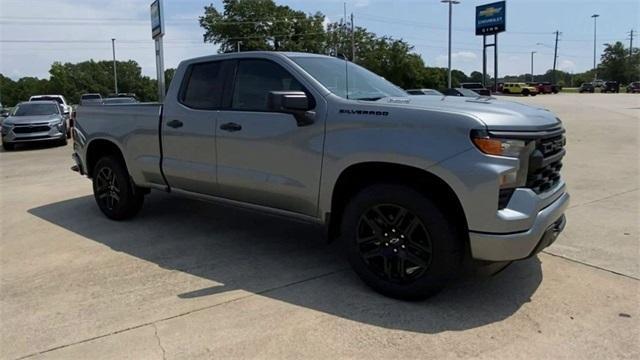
x=98, y=149
x=359, y=176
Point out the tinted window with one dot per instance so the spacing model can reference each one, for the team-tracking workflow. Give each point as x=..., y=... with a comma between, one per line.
x=91, y=97
x=255, y=79
x=33, y=109
x=362, y=84
x=203, y=89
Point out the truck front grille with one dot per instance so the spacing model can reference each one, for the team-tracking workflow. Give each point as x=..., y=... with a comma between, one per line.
x=546, y=162
x=544, y=178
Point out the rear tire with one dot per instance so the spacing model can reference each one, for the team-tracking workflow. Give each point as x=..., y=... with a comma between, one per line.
x=400, y=242
x=117, y=197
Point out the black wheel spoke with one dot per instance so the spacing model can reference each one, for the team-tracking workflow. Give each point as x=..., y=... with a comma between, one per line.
x=393, y=243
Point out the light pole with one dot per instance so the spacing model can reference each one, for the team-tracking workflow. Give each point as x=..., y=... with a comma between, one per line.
x=532, y=78
x=115, y=72
x=595, y=27
x=451, y=3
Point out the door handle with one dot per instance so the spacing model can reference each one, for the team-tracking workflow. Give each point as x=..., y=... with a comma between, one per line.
x=175, y=124
x=231, y=127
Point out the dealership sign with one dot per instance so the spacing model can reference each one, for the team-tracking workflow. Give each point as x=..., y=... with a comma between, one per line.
x=491, y=18
x=157, y=19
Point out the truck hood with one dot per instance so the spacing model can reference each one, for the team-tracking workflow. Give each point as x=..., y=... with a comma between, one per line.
x=495, y=114
x=19, y=120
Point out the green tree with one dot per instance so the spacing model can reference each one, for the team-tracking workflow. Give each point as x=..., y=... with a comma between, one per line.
x=262, y=25
x=614, y=63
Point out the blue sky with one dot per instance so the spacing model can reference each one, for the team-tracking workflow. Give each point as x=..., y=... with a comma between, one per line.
x=77, y=30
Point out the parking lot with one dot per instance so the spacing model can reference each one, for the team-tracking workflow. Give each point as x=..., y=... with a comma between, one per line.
x=188, y=279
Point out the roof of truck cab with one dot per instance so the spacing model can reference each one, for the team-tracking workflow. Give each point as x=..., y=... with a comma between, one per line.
x=250, y=53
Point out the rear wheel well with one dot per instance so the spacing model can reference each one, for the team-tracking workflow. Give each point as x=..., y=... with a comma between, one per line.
x=100, y=148
x=359, y=176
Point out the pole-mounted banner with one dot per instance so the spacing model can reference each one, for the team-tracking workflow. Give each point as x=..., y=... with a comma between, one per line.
x=491, y=19
x=157, y=32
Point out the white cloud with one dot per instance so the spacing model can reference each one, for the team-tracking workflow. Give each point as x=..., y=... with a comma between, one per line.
x=567, y=65
x=361, y=3
x=457, y=58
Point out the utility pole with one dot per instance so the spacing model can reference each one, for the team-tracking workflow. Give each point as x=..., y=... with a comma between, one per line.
x=532, y=78
x=353, y=41
x=595, y=27
x=115, y=72
x=451, y=3
x=555, y=58
x=631, y=43
x=238, y=46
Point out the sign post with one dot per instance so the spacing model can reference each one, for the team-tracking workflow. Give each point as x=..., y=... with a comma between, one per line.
x=157, y=32
x=491, y=19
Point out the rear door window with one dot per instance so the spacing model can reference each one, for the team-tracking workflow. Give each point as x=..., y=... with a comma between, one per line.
x=203, y=86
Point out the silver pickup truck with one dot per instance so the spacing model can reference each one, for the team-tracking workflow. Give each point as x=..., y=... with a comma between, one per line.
x=413, y=186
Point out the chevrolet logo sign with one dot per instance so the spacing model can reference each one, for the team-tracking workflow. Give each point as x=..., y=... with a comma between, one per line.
x=490, y=11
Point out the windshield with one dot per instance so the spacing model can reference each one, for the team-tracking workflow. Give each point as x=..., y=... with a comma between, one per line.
x=47, y=98
x=34, y=109
x=362, y=83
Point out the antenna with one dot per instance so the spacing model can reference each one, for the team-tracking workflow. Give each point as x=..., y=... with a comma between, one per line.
x=346, y=61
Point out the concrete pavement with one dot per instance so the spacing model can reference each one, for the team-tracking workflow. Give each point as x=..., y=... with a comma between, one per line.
x=188, y=279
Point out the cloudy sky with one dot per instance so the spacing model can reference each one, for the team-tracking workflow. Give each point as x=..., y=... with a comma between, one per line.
x=35, y=33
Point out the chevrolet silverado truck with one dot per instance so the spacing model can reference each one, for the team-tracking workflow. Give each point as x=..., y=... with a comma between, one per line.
x=413, y=187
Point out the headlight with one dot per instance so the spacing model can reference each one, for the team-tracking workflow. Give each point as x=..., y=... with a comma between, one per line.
x=512, y=148
x=497, y=146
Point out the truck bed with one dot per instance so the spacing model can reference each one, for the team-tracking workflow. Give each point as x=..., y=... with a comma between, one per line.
x=135, y=127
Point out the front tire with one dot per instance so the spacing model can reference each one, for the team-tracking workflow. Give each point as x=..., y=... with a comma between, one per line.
x=117, y=197
x=400, y=242
x=525, y=92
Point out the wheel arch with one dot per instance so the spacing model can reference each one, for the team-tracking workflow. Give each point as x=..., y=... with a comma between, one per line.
x=360, y=175
x=99, y=148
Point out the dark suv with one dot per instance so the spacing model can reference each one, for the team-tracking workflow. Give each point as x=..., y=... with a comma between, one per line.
x=634, y=87
x=586, y=87
x=610, y=86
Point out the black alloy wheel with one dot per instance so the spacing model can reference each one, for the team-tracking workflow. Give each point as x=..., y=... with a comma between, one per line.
x=107, y=188
x=394, y=243
x=401, y=242
x=117, y=197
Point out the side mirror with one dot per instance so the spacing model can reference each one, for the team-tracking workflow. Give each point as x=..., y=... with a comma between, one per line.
x=4, y=113
x=292, y=102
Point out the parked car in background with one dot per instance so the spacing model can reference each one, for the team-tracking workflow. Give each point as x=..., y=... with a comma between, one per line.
x=460, y=92
x=119, y=100
x=424, y=92
x=127, y=95
x=586, y=87
x=598, y=83
x=34, y=121
x=67, y=109
x=610, y=86
x=477, y=87
x=414, y=187
x=519, y=88
x=542, y=87
x=90, y=99
x=634, y=87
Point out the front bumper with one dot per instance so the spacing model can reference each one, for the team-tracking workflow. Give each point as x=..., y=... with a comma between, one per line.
x=548, y=224
x=54, y=133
